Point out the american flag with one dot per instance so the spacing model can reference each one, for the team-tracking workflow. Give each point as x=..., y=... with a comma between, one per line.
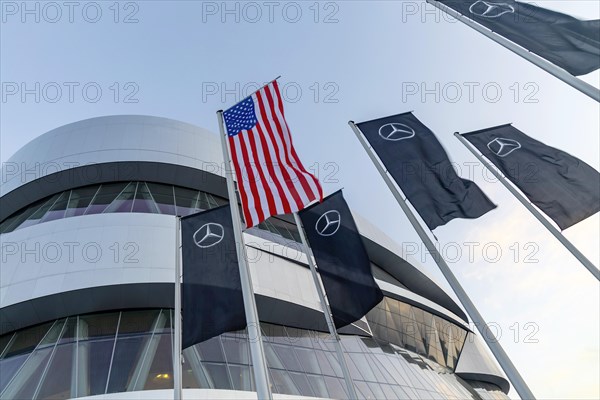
x=271, y=179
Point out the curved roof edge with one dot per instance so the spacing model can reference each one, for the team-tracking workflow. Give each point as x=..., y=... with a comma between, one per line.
x=476, y=363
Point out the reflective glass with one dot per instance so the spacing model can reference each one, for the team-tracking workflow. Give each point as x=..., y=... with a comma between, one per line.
x=236, y=350
x=57, y=382
x=106, y=194
x=98, y=326
x=124, y=201
x=186, y=201
x=80, y=199
x=25, y=382
x=143, y=200
x=282, y=382
x=27, y=340
x=133, y=322
x=302, y=384
x=160, y=375
x=127, y=353
x=17, y=219
x=139, y=357
x=39, y=212
x=164, y=197
x=218, y=376
x=211, y=350
x=93, y=362
x=241, y=377
x=57, y=211
x=8, y=368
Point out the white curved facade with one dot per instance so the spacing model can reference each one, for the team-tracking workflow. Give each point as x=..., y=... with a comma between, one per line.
x=61, y=269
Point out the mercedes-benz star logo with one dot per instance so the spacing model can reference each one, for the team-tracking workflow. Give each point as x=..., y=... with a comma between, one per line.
x=328, y=223
x=503, y=147
x=395, y=131
x=209, y=235
x=488, y=9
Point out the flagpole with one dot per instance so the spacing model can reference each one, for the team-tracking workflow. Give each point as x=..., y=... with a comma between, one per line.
x=177, y=385
x=557, y=234
x=547, y=66
x=494, y=345
x=257, y=350
x=326, y=310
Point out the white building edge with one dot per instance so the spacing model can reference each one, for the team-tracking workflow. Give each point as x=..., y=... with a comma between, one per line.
x=87, y=229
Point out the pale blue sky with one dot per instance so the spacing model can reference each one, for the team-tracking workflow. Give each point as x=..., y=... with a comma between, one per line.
x=366, y=61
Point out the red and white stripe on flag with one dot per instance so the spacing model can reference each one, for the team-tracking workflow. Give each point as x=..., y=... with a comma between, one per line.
x=271, y=179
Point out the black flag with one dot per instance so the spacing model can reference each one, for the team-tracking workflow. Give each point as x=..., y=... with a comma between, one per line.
x=562, y=186
x=212, y=299
x=341, y=258
x=570, y=43
x=420, y=166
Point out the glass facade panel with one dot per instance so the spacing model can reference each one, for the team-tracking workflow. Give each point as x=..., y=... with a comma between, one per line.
x=143, y=200
x=186, y=201
x=132, y=350
x=138, y=197
x=164, y=197
x=93, y=363
x=160, y=375
x=57, y=384
x=26, y=340
x=57, y=211
x=126, y=354
x=98, y=326
x=124, y=201
x=107, y=193
x=80, y=200
x=39, y=213
x=25, y=382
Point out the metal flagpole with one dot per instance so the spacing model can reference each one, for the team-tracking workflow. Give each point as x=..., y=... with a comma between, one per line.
x=511, y=371
x=547, y=66
x=177, y=389
x=257, y=350
x=557, y=234
x=326, y=310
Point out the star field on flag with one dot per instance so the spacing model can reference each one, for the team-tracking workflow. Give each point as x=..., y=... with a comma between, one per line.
x=271, y=179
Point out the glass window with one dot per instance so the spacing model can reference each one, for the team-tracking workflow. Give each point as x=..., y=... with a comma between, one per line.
x=124, y=201
x=134, y=322
x=336, y=388
x=186, y=201
x=57, y=382
x=317, y=383
x=106, y=194
x=37, y=216
x=241, y=377
x=211, y=350
x=24, y=384
x=308, y=359
x=283, y=383
x=143, y=200
x=218, y=375
x=236, y=350
x=301, y=382
x=17, y=219
x=27, y=340
x=97, y=326
x=57, y=211
x=4, y=341
x=163, y=196
x=287, y=357
x=93, y=362
x=160, y=375
x=127, y=353
x=8, y=368
x=80, y=200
